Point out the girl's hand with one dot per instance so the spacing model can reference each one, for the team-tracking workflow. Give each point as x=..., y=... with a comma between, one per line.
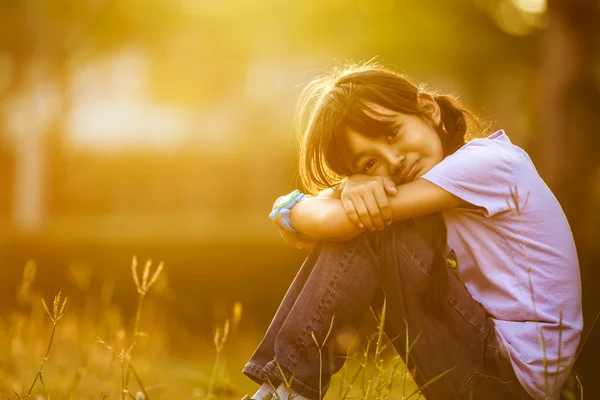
x=365, y=199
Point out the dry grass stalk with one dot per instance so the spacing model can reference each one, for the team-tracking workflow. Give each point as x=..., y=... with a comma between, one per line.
x=219, y=341
x=144, y=394
x=142, y=289
x=320, y=347
x=55, y=316
x=286, y=381
x=123, y=356
x=273, y=389
x=362, y=368
x=378, y=347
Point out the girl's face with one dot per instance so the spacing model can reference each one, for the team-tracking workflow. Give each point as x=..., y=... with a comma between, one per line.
x=405, y=154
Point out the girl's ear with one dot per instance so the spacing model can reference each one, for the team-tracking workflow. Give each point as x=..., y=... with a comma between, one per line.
x=430, y=107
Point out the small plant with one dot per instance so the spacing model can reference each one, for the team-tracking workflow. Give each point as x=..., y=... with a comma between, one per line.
x=142, y=289
x=124, y=357
x=361, y=368
x=378, y=349
x=219, y=340
x=55, y=316
x=320, y=347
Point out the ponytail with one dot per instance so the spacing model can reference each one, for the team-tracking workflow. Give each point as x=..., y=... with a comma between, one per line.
x=454, y=123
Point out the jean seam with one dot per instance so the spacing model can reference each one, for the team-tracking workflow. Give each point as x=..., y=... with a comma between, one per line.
x=496, y=378
x=268, y=371
x=299, y=386
x=462, y=387
x=258, y=372
x=425, y=272
x=463, y=314
x=468, y=382
x=304, y=336
x=398, y=242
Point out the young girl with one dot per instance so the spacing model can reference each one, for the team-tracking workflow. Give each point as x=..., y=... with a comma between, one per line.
x=464, y=241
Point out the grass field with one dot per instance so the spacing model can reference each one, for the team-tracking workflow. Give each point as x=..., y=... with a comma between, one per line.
x=87, y=349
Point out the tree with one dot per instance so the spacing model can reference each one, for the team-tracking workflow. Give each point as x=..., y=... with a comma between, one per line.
x=568, y=140
x=43, y=42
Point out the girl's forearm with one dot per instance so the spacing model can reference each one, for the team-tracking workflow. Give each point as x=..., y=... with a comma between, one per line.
x=326, y=218
x=323, y=219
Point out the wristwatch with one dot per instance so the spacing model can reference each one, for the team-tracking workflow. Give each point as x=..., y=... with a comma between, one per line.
x=283, y=206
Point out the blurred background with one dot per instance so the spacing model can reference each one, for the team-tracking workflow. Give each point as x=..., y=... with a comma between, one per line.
x=163, y=128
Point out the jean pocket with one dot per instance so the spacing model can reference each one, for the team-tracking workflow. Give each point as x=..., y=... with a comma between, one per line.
x=469, y=310
x=481, y=386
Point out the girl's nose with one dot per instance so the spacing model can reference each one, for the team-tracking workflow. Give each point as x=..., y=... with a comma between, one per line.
x=396, y=164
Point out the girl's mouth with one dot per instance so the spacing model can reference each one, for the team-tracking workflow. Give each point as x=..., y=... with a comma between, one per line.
x=412, y=172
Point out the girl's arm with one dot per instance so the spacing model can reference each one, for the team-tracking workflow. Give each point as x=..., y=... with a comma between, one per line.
x=326, y=219
x=299, y=239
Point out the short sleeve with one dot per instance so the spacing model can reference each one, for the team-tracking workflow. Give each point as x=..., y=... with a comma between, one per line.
x=481, y=173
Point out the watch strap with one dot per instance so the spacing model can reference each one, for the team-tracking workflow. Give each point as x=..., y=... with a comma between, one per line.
x=285, y=220
x=284, y=208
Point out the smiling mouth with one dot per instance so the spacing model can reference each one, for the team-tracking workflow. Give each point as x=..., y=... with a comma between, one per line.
x=412, y=172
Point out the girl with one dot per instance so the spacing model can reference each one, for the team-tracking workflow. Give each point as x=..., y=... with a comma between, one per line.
x=466, y=243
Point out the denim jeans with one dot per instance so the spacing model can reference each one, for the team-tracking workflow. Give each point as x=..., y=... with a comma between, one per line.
x=345, y=279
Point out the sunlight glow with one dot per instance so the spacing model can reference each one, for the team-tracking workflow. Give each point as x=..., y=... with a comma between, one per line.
x=532, y=6
x=112, y=110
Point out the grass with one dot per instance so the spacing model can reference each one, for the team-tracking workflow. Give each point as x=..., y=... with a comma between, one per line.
x=90, y=354
x=91, y=351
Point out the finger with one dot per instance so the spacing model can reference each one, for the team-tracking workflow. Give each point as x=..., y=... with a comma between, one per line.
x=384, y=206
x=389, y=185
x=351, y=212
x=373, y=209
x=362, y=211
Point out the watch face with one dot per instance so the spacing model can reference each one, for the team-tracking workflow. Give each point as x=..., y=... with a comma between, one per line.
x=287, y=198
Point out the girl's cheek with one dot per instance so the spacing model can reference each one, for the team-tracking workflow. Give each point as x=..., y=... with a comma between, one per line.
x=377, y=171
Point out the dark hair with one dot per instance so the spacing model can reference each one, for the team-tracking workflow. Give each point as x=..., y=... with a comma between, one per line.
x=331, y=104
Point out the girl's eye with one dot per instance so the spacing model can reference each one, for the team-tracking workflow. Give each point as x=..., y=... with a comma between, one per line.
x=368, y=165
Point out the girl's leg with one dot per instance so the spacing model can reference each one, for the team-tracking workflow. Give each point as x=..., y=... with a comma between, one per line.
x=461, y=340
x=336, y=278
x=340, y=281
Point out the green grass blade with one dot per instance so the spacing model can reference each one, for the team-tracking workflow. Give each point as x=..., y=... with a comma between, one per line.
x=429, y=382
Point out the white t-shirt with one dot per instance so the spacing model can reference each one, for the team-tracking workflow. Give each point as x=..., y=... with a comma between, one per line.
x=515, y=246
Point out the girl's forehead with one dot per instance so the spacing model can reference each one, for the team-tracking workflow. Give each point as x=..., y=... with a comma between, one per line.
x=357, y=141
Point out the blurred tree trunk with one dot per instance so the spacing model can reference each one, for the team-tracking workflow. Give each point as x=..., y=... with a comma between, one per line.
x=34, y=108
x=569, y=139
